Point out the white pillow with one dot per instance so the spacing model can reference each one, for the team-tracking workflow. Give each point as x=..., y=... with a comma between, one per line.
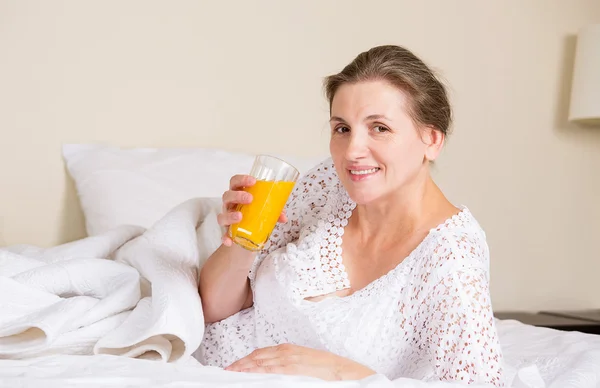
x=140, y=185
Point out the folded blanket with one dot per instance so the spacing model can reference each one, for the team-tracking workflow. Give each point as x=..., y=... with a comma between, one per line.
x=129, y=292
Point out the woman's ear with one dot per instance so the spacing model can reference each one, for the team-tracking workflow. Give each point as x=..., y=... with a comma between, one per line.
x=434, y=142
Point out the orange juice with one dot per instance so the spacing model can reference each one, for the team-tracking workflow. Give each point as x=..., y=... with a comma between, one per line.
x=260, y=217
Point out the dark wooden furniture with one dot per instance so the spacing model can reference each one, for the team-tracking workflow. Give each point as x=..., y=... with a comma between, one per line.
x=554, y=320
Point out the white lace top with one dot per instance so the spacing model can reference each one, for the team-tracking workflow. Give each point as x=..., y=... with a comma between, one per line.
x=429, y=318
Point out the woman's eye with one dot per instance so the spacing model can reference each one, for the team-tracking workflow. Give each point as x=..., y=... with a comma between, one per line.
x=380, y=129
x=342, y=129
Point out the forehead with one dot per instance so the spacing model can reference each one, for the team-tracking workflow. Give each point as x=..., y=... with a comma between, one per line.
x=354, y=101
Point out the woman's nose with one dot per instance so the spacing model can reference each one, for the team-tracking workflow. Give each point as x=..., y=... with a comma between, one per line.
x=358, y=147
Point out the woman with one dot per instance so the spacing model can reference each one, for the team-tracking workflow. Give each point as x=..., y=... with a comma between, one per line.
x=372, y=270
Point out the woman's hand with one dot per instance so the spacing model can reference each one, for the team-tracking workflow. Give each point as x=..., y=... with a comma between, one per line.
x=297, y=360
x=232, y=198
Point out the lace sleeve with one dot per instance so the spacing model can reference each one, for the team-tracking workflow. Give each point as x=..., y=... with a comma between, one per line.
x=459, y=333
x=295, y=208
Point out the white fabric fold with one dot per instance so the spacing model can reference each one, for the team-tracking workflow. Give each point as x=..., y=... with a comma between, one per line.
x=129, y=292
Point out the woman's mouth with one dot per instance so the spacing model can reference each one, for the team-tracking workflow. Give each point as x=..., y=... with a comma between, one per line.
x=359, y=174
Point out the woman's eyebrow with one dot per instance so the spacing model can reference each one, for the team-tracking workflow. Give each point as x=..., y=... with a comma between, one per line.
x=335, y=118
x=376, y=117
x=368, y=118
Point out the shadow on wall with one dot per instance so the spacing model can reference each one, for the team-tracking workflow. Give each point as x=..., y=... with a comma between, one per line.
x=561, y=120
x=72, y=222
x=2, y=241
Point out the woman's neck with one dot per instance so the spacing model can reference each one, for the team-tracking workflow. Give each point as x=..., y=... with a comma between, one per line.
x=403, y=213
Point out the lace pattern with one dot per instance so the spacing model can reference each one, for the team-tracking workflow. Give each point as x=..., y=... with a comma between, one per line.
x=429, y=318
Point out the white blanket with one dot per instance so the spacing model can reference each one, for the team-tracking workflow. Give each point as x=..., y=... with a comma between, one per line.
x=127, y=292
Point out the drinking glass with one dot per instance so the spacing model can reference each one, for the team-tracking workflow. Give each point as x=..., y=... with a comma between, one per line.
x=275, y=180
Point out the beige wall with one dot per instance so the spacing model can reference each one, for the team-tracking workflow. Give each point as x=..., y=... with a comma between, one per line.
x=246, y=75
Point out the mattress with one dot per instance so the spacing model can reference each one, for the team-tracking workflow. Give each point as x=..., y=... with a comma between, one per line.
x=534, y=357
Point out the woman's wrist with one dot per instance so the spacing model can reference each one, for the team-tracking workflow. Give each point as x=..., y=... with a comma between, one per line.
x=240, y=259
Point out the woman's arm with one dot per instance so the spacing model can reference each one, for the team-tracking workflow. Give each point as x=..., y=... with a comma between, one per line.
x=224, y=286
x=226, y=277
x=460, y=332
x=456, y=319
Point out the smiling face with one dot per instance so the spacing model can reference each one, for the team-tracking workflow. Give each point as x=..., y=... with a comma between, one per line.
x=376, y=147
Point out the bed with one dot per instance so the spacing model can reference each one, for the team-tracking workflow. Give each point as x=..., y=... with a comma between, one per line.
x=535, y=357
x=117, y=300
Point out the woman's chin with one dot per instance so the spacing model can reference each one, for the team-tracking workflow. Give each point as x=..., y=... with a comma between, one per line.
x=361, y=197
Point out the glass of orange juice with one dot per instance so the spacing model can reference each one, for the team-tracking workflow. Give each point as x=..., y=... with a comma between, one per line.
x=275, y=180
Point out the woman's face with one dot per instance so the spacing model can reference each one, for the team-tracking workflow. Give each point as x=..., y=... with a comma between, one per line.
x=375, y=145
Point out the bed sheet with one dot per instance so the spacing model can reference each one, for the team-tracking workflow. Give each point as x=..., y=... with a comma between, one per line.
x=534, y=357
x=542, y=357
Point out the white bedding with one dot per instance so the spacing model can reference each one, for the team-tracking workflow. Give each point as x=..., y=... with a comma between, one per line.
x=122, y=309
x=128, y=291
x=535, y=357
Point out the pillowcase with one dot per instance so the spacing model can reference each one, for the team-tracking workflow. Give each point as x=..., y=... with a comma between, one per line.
x=138, y=186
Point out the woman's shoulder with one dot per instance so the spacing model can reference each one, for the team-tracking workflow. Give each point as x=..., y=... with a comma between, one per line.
x=462, y=224
x=458, y=243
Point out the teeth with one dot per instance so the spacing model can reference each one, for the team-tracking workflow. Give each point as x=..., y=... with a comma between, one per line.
x=363, y=172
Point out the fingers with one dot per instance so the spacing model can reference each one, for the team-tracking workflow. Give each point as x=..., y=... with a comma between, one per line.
x=239, y=182
x=233, y=198
x=273, y=359
x=283, y=218
x=273, y=369
x=258, y=354
x=227, y=241
x=229, y=218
